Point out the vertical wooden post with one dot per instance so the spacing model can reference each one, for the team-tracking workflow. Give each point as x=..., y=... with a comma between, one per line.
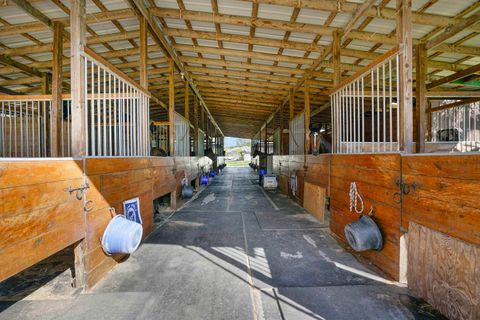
x=171, y=106
x=421, y=98
x=307, y=117
x=77, y=44
x=77, y=89
x=207, y=138
x=404, y=40
x=45, y=84
x=57, y=106
x=292, y=104
x=266, y=139
x=281, y=130
x=195, y=125
x=202, y=125
x=337, y=70
x=143, y=53
x=187, y=102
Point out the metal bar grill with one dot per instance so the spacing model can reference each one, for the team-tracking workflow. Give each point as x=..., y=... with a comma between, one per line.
x=116, y=114
x=297, y=135
x=456, y=128
x=365, y=110
x=24, y=128
x=182, y=136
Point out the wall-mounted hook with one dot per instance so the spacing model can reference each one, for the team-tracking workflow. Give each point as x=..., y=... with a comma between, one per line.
x=78, y=191
x=88, y=206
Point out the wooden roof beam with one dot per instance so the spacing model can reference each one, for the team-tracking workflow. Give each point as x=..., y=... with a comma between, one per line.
x=91, y=18
x=34, y=12
x=374, y=11
x=161, y=39
x=6, y=60
x=453, y=30
x=455, y=76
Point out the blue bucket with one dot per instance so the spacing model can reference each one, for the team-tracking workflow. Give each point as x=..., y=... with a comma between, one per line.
x=262, y=172
x=204, y=179
x=121, y=236
x=212, y=173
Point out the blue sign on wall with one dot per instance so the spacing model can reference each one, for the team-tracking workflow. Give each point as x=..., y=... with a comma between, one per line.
x=131, y=210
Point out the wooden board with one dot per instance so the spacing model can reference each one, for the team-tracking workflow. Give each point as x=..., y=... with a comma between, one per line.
x=445, y=271
x=375, y=176
x=283, y=184
x=446, y=196
x=314, y=200
x=38, y=216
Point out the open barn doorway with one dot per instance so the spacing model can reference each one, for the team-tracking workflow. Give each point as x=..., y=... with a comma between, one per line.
x=237, y=152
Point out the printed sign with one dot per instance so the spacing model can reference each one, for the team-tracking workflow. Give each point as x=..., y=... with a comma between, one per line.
x=131, y=210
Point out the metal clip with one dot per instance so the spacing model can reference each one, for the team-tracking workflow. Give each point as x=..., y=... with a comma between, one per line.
x=78, y=191
x=86, y=208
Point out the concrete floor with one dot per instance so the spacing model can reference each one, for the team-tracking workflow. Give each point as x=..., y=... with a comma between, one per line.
x=236, y=252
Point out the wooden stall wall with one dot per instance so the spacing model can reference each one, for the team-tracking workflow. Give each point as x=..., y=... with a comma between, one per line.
x=376, y=176
x=444, y=231
x=316, y=184
x=113, y=181
x=163, y=175
x=311, y=169
x=38, y=216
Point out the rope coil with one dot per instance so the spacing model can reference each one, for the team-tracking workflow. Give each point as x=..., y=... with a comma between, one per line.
x=354, y=197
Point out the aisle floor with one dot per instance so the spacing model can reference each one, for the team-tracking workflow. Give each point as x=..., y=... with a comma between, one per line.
x=236, y=252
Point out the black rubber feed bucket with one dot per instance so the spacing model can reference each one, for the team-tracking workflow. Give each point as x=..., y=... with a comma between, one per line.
x=187, y=192
x=364, y=234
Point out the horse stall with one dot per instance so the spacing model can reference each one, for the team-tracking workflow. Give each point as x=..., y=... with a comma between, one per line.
x=65, y=174
x=366, y=114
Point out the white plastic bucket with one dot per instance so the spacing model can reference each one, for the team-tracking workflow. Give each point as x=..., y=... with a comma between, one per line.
x=121, y=236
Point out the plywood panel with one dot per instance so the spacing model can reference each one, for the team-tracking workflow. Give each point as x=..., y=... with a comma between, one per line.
x=445, y=271
x=314, y=200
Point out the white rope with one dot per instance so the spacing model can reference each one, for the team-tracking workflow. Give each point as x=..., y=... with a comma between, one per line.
x=354, y=197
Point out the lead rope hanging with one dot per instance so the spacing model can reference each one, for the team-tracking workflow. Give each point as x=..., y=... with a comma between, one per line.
x=354, y=197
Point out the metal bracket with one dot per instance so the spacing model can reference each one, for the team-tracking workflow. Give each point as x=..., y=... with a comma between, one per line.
x=78, y=191
x=88, y=206
x=405, y=187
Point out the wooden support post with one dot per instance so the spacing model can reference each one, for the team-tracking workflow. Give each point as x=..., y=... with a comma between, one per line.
x=195, y=124
x=404, y=39
x=77, y=45
x=292, y=104
x=187, y=101
x=57, y=106
x=421, y=98
x=45, y=84
x=337, y=69
x=281, y=130
x=171, y=106
x=77, y=87
x=143, y=53
x=207, y=138
x=307, y=117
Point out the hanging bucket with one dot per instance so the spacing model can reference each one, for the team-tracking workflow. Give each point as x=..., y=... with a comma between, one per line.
x=262, y=172
x=204, y=179
x=212, y=173
x=187, y=192
x=364, y=234
x=121, y=236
